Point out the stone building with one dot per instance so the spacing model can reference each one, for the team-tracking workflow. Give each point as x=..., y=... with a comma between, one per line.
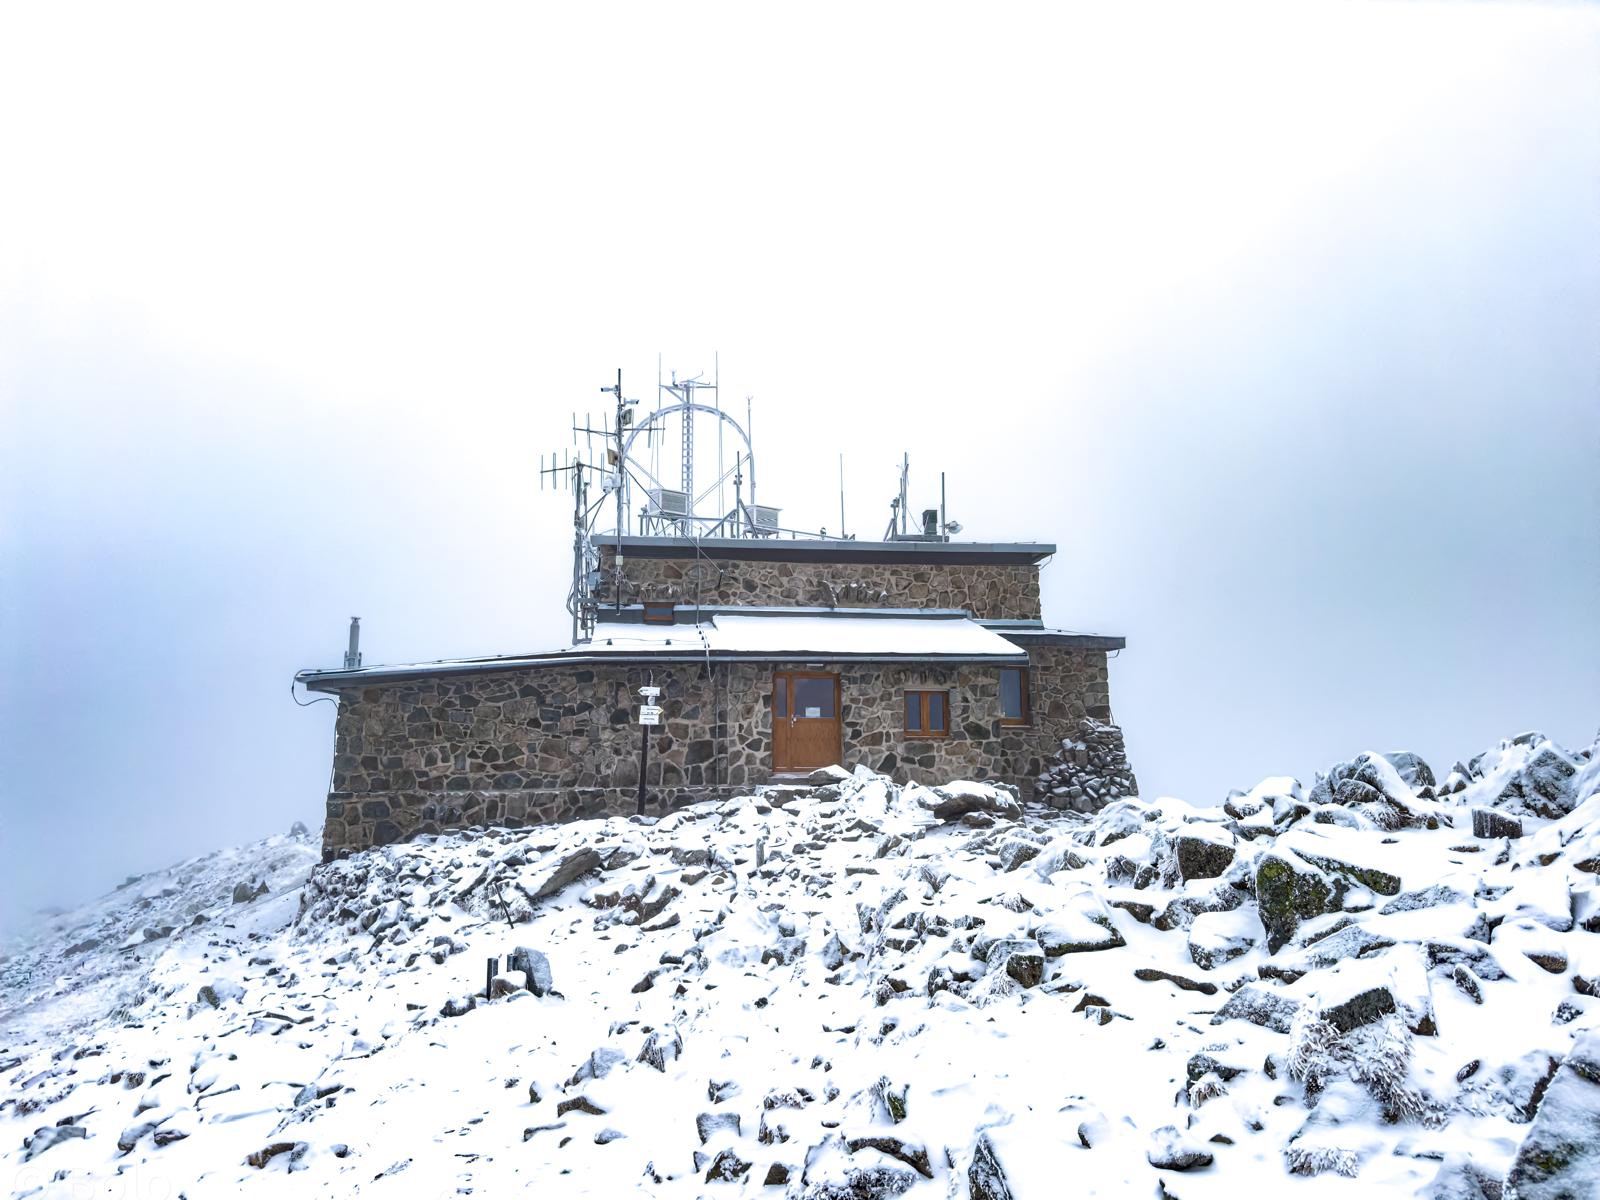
x=927, y=660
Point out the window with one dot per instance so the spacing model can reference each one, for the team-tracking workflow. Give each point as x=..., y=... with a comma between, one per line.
x=927, y=714
x=658, y=612
x=1014, y=695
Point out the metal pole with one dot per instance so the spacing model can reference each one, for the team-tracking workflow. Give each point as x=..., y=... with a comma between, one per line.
x=941, y=505
x=841, y=494
x=644, y=762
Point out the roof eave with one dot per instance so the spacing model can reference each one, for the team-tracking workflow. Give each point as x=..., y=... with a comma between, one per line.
x=337, y=680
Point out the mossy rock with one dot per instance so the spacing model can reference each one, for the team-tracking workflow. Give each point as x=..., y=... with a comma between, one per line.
x=1378, y=881
x=1288, y=892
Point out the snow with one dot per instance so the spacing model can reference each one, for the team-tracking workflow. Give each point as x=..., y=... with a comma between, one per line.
x=846, y=1012
x=790, y=634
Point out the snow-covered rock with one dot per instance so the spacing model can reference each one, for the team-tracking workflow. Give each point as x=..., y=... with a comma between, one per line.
x=866, y=989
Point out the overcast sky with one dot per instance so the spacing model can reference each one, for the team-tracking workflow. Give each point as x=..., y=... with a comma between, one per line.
x=1281, y=321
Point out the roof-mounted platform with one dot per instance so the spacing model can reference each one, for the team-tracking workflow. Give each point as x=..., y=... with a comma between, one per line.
x=824, y=550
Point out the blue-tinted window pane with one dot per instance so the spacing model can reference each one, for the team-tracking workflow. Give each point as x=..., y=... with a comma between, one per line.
x=936, y=713
x=1011, y=693
x=914, y=711
x=780, y=696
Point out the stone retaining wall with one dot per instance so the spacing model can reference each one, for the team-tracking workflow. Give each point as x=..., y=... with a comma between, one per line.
x=990, y=591
x=557, y=744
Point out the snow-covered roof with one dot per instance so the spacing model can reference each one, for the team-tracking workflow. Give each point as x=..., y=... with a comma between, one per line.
x=860, y=635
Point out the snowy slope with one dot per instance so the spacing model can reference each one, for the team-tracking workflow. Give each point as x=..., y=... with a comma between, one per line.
x=850, y=989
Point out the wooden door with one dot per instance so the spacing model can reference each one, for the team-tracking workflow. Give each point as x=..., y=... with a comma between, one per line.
x=805, y=720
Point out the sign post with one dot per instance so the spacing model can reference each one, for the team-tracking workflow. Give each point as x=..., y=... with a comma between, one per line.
x=649, y=714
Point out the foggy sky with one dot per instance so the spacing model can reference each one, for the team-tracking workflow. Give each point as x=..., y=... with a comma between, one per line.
x=1280, y=321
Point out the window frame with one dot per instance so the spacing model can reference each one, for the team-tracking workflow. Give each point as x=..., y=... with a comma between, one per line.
x=652, y=614
x=924, y=707
x=1024, y=695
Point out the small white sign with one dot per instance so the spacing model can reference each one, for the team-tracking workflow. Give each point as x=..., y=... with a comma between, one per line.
x=649, y=714
x=814, y=710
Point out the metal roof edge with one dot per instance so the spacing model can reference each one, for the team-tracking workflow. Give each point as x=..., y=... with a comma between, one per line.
x=337, y=680
x=825, y=550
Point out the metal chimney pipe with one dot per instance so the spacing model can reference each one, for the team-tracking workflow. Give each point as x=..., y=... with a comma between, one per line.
x=352, y=656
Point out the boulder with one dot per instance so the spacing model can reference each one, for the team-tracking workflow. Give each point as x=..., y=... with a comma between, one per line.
x=1202, y=857
x=535, y=966
x=1289, y=891
x=1219, y=937
x=219, y=992
x=1487, y=823
x=1172, y=1151
x=660, y=1047
x=1372, y=878
x=1026, y=967
x=1081, y=927
x=1560, y=1157
x=961, y=797
x=986, y=1178
x=568, y=869
x=1411, y=768
x=50, y=1135
x=1547, y=782
x=1363, y=1008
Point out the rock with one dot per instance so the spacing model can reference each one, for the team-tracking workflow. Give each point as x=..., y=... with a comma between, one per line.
x=1219, y=937
x=569, y=869
x=1486, y=823
x=50, y=1135
x=1171, y=1151
x=535, y=966
x=243, y=893
x=1430, y=897
x=727, y=1167
x=1547, y=782
x=1372, y=878
x=456, y=1006
x=1014, y=852
x=1560, y=1157
x=1202, y=857
x=1288, y=891
x=956, y=799
x=1026, y=967
x=219, y=992
x=579, y=1104
x=986, y=1178
x=660, y=1047
x=708, y=1124
x=1411, y=768
x=299, y=830
x=501, y=986
x=1364, y=1008
x=1083, y=924
x=1460, y=1178
x=1550, y=960
x=913, y=1155
x=1461, y=975
x=1151, y=975
x=295, y=1150
x=598, y=1065
x=1259, y=1006
x=1200, y=1065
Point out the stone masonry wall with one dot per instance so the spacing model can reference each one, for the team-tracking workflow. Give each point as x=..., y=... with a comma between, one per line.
x=990, y=591
x=559, y=744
